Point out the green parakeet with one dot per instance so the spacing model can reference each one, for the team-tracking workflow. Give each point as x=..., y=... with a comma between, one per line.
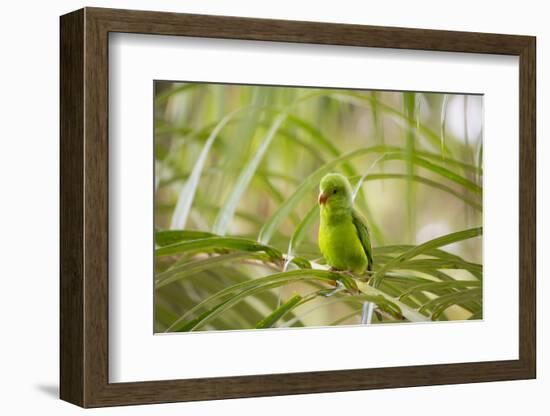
x=343, y=236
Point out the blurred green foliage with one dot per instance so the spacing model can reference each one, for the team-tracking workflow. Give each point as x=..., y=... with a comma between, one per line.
x=236, y=180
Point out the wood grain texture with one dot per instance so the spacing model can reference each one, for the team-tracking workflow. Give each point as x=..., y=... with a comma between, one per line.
x=527, y=208
x=96, y=208
x=84, y=207
x=71, y=100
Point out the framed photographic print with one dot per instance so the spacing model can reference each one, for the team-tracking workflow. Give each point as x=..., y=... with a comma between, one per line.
x=255, y=207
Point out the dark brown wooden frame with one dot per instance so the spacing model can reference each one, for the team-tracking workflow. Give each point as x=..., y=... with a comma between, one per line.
x=84, y=207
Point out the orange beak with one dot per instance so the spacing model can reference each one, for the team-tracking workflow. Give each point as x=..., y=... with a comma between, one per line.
x=322, y=198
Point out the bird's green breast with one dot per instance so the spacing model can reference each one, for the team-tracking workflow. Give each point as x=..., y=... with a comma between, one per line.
x=340, y=244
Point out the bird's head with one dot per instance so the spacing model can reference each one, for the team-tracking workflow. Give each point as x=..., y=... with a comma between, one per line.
x=335, y=192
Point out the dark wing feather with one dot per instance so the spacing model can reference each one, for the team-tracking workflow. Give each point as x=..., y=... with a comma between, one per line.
x=364, y=237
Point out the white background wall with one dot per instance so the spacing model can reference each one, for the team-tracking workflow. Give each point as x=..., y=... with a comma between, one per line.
x=29, y=207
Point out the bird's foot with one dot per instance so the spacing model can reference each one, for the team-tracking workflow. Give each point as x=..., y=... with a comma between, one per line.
x=340, y=271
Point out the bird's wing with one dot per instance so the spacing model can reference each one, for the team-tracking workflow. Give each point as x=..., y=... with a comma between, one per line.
x=364, y=237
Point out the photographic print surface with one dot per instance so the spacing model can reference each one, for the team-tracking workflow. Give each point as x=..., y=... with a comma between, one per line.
x=286, y=207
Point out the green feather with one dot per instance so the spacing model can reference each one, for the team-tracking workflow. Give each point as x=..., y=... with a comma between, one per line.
x=364, y=236
x=343, y=236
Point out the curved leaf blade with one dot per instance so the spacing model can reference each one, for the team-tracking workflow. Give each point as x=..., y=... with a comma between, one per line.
x=228, y=211
x=417, y=250
x=188, y=191
x=278, y=313
x=217, y=243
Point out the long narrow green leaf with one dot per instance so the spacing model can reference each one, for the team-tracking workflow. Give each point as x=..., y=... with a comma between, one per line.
x=441, y=303
x=222, y=307
x=420, y=249
x=262, y=303
x=164, y=96
x=443, y=122
x=245, y=131
x=217, y=243
x=472, y=186
x=187, y=193
x=344, y=318
x=274, y=193
x=359, y=183
x=432, y=252
x=356, y=98
x=429, y=264
x=452, y=298
x=251, y=218
x=167, y=237
x=377, y=120
x=278, y=313
x=436, y=287
x=440, y=170
x=409, y=100
x=244, y=315
x=302, y=228
x=226, y=213
x=248, y=288
x=382, y=301
x=314, y=151
x=427, y=287
x=428, y=182
x=181, y=271
x=407, y=312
